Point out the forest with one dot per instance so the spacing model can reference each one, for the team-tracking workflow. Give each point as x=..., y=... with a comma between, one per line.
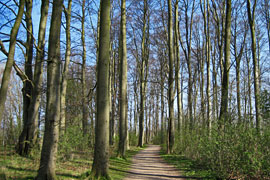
x=88, y=84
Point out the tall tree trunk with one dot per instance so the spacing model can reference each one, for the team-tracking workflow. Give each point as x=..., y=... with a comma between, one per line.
x=100, y=166
x=225, y=81
x=113, y=93
x=157, y=114
x=38, y=72
x=249, y=92
x=146, y=122
x=251, y=19
x=238, y=57
x=214, y=80
x=123, y=83
x=84, y=94
x=25, y=140
x=187, y=52
x=162, y=105
x=170, y=81
x=177, y=69
x=142, y=78
x=52, y=116
x=63, y=89
x=208, y=58
x=10, y=59
x=135, y=109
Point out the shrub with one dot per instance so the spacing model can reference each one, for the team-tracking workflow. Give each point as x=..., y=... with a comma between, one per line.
x=237, y=152
x=72, y=140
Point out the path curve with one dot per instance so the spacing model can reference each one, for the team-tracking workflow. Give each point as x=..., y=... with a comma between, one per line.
x=149, y=165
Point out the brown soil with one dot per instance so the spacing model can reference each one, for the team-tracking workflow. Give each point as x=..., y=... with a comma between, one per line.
x=149, y=165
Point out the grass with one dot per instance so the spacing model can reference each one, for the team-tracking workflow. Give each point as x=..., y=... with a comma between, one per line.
x=187, y=167
x=15, y=167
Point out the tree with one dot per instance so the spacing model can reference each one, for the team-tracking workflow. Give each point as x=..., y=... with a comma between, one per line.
x=101, y=154
x=251, y=20
x=170, y=82
x=177, y=69
x=83, y=78
x=188, y=21
x=237, y=33
x=123, y=83
x=225, y=80
x=28, y=136
x=10, y=60
x=63, y=89
x=52, y=116
x=143, y=74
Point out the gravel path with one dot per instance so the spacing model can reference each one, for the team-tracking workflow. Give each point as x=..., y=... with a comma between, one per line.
x=149, y=165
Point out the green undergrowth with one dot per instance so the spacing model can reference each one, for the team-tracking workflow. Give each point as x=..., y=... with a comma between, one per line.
x=189, y=168
x=15, y=167
x=119, y=167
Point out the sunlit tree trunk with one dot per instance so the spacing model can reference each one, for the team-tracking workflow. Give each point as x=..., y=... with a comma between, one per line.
x=162, y=105
x=177, y=69
x=52, y=115
x=170, y=81
x=84, y=93
x=208, y=58
x=187, y=52
x=63, y=89
x=225, y=80
x=142, y=78
x=100, y=168
x=123, y=83
x=113, y=101
x=238, y=57
x=251, y=19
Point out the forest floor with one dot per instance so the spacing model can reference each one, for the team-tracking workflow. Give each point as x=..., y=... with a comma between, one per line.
x=15, y=167
x=140, y=164
x=149, y=165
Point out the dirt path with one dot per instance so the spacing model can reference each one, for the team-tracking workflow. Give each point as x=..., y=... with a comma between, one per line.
x=149, y=165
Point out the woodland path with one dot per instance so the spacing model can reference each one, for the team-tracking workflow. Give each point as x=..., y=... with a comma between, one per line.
x=149, y=165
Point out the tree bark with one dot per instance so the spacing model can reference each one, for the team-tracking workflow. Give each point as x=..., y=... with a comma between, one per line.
x=142, y=79
x=187, y=52
x=52, y=116
x=123, y=84
x=84, y=94
x=251, y=19
x=63, y=89
x=225, y=81
x=25, y=139
x=177, y=69
x=100, y=166
x=170, y=81
x=113, y=93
